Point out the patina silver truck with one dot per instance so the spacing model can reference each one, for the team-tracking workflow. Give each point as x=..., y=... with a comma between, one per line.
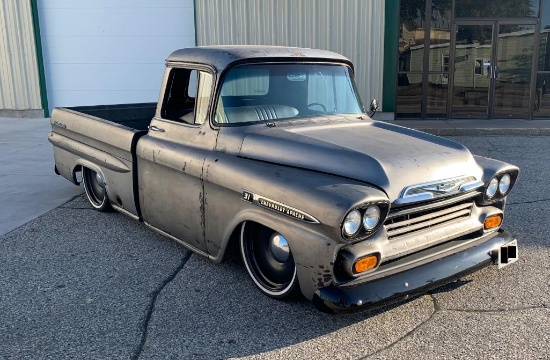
x=268, y=150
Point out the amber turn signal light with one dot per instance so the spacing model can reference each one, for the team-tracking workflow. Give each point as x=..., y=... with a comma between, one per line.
x=492, y=222
x=365, y=264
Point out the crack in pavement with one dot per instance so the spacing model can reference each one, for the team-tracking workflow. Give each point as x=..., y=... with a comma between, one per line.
x=76, y=208
x=527, y=202
x=152, y=303
x=437, y=308
x=496, y=311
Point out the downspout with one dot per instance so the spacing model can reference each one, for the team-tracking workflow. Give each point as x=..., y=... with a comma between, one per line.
x=391, y=40
x=195, y=20
x=39, y=58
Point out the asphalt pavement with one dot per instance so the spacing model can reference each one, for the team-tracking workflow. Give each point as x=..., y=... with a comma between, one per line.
x=76, y=283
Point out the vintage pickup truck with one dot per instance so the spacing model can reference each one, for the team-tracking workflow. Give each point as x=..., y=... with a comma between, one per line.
x=269, y=151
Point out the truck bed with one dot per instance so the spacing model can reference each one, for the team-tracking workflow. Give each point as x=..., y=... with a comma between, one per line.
x=136, y=116
x=102, y=138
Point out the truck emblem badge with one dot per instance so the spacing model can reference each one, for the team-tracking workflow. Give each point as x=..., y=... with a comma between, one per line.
x=278, y=207
x=61, y=125
x=446, y=186
x=247, y=196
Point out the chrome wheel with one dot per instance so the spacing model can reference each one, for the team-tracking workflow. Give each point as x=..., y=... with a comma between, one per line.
x=268, y=260
x=96, y=190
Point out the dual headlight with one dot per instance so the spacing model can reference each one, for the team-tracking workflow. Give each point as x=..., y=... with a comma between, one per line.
x=499, y=186
x=363, y=221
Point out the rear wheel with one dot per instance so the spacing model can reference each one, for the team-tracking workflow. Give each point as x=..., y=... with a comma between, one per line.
x=269, y=261
x=96, y=191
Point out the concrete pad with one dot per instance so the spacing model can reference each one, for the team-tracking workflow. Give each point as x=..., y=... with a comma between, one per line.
x=28, y=185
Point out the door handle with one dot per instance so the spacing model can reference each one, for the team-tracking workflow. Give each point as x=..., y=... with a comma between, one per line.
x=154, y=128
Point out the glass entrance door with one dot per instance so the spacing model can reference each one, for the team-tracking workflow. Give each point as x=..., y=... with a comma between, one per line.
x=492, y=69
x=514, y=65
x=473, y=70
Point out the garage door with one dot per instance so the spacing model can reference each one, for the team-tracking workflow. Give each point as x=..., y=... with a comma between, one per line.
x=110, y=51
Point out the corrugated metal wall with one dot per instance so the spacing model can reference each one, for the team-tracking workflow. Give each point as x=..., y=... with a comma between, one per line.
x=19, y=81
x=354, y=28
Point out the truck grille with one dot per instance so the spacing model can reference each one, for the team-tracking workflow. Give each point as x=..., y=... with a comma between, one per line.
x=400, y=225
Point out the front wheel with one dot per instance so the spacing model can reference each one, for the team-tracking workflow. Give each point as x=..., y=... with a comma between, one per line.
x=96, y=190
x=269, y=261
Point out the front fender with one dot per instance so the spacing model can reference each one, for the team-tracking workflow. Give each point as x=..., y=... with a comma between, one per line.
x=491, y=167
x=313, y=252
x=325, y=198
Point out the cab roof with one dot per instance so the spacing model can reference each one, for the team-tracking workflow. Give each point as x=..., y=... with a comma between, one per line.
x=220, y=57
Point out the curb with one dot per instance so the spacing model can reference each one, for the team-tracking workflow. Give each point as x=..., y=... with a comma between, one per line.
x=487, y=131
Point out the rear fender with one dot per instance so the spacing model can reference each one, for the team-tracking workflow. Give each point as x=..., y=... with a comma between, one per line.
x=116, y=172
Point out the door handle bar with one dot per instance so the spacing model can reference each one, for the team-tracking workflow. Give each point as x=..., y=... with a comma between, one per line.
x=155, y=128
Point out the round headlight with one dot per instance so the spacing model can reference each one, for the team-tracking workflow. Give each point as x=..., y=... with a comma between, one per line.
x=504, y=184
x=371, y=217
x=492, y=188
x=352, y=222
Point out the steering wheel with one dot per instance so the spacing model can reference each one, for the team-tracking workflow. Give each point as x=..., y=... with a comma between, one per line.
x=316, y=104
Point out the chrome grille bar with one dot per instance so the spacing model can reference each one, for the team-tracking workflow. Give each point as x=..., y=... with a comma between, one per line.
x=416, y=221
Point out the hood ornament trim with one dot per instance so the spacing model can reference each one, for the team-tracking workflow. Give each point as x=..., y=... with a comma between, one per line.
x=436, y=189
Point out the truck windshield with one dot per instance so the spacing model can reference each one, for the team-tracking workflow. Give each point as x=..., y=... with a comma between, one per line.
x=268, y=92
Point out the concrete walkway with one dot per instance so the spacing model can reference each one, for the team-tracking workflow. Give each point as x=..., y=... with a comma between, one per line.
x=479, y=127
x=28, y=185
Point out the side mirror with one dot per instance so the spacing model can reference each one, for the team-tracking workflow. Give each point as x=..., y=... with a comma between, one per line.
x=373, y=107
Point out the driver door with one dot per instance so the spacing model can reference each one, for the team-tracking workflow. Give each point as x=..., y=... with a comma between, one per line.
x=171, y=157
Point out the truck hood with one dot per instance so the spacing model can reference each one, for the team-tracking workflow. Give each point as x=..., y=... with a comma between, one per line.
x=387, y=156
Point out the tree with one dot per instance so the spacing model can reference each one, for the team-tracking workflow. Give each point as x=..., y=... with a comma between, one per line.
x=501, y=8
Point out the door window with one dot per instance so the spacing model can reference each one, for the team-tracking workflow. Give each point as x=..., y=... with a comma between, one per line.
x=187, y=96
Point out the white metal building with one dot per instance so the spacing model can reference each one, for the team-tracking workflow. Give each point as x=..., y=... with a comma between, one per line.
x=110, y=51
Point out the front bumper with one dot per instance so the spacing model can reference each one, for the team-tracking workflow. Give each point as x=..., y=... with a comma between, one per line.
x=413, y=281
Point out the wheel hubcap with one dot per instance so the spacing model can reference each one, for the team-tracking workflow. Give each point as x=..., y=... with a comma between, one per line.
x=96, y=186
x=269, y=258
x=99, y=180
x=279, y=247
